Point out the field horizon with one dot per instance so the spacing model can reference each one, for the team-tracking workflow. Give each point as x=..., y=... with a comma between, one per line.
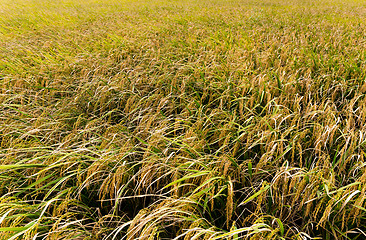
x=167, y=119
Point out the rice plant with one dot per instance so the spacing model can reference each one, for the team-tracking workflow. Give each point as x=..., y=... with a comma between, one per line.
x=212, y=119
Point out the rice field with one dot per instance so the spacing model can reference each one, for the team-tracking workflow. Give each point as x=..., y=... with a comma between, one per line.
x=189, y=119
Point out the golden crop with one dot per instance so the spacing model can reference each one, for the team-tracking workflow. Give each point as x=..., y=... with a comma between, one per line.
x=177, y=119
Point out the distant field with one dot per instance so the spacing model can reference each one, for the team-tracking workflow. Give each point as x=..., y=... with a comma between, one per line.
x=206, y=119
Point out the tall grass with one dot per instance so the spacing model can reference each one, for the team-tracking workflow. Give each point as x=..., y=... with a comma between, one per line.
x=182, y=119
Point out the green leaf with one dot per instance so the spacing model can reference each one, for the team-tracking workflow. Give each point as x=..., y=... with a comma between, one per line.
x=14, y=167
x=256, y=194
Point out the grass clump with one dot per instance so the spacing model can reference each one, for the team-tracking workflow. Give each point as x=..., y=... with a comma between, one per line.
x=182, y=119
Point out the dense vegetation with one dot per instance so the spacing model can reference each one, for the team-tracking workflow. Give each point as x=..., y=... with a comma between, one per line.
x=206, y=119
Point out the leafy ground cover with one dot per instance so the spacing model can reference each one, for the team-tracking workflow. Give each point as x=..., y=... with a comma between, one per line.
x=210, y=119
